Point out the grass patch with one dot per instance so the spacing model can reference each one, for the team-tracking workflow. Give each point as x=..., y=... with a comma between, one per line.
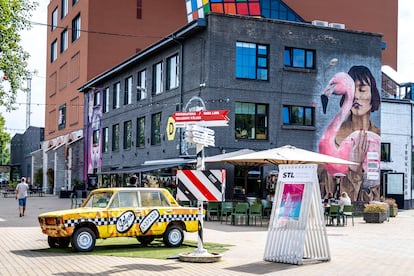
x=130, y=247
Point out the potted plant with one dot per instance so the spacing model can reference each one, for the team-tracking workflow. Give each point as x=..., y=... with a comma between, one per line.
x=375, y=212
x=393, y=206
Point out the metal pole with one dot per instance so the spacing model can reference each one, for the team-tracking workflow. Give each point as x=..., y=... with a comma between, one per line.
x=200, y=167
x=28, y=101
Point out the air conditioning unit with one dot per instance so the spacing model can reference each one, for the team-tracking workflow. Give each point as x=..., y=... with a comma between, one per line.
x=320, y=23
x=337, y=25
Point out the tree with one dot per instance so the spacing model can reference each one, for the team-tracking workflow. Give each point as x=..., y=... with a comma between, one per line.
x=14, y=17
x=4, y=142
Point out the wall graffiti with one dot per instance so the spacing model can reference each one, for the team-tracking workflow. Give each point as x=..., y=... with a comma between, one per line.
x=353, y=134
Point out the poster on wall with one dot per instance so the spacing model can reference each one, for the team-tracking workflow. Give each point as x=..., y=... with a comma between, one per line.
x=352, y=133
x=291, y=201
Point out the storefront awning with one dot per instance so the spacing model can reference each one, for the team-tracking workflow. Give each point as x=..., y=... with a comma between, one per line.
x=146, y=168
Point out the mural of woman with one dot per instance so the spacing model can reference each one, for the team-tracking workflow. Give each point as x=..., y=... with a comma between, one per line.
x=94, y=147
x=353, y=136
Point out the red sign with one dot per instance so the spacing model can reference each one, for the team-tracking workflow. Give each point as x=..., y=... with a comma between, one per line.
x=202, y=115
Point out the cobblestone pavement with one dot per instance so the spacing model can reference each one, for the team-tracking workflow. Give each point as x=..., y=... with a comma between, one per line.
x=365, y=249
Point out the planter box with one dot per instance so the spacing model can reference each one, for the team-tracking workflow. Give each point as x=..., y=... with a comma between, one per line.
x=375, y=217
x=393, y=211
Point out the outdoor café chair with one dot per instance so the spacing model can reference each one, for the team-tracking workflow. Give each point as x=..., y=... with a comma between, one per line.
x=226, y=210
x=241, y=210
x=255, y=212
x=348, y=212
x=333, y=214
x=212, y=208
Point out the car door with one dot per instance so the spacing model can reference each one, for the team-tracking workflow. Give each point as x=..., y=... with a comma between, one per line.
x=124, y=214
x=155, y=211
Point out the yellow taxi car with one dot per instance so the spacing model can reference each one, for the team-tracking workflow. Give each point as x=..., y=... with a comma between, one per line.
x=145, y=213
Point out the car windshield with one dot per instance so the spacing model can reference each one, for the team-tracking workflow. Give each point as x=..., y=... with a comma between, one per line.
x=99, y=200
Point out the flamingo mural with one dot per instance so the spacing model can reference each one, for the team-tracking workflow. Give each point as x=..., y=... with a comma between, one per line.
x=351, y=134
x=341, y=84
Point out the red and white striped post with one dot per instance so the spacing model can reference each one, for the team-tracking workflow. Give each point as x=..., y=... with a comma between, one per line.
x=200, y=165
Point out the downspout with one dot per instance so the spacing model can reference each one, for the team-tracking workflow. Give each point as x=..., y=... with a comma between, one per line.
x=85, y=136
x=181, y=77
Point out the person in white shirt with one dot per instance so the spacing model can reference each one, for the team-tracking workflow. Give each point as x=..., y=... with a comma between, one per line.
x=344, y=200
x=21, y=195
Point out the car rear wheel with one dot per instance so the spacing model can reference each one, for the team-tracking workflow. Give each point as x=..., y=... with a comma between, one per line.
x=83, y=239
x=145, y=240
x=58, y=242
x=174, y=236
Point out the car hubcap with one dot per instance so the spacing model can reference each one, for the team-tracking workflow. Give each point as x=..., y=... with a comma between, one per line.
x=84, y=240
x=175, y=237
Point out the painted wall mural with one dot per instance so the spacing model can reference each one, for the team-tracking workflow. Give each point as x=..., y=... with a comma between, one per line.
x=353, y=134
x=94, y=143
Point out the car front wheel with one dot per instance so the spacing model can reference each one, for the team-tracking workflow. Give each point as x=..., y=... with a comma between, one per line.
x=174, y=236
x=83, y=239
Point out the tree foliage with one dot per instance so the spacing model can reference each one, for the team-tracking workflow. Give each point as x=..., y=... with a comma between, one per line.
x=4, y=142
x=14, y=17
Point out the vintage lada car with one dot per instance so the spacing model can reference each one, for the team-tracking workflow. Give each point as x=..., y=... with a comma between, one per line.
x=144, y=213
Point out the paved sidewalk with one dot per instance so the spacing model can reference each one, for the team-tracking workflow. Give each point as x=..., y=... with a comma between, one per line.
x=365, y=249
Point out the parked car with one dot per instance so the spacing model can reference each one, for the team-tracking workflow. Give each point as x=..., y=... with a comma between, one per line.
x=145, y=213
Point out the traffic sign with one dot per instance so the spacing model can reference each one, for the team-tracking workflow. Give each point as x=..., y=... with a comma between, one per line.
x=170, y=128
x=200, y=135
x=202, y=115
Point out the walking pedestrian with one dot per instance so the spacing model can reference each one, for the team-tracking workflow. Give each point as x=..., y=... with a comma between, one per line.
x=21, y=195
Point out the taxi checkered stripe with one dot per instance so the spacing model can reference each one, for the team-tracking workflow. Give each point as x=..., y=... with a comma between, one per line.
x=111, y=221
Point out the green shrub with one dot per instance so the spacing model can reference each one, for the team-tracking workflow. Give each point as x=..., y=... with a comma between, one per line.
x=391, y=202
x=375, y=208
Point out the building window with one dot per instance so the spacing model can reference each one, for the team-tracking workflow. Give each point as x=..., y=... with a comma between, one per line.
x=142, y=85
x=157, y=79
x=97, y=98
x=276, y=9
x=140, y=132
x=172, y=72
x=386, y=152
x=298, y=115
x=53, y=51
x=115, y=95
x=64, y=8
x=75, y=67
x=139, y=9
x=156, y=129
x=95, y=137
x=105, y=139
x=74, y=111
x=299, y=58
x=74, y=2
x=64, y=40
x=76, y=28
x=251, y=121
x=251, y=61
x=128, y=91
x=127, y=134
x=54, y=19
x=62, y=117
x=115, y=137
x=105, y=107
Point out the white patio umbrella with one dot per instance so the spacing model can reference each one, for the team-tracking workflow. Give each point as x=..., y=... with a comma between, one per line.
x=284, y=155
x=221, y=157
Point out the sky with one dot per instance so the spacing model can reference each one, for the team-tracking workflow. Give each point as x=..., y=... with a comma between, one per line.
x=34, y=42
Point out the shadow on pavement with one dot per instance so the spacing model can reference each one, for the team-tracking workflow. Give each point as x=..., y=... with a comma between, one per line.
x=263, y=267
